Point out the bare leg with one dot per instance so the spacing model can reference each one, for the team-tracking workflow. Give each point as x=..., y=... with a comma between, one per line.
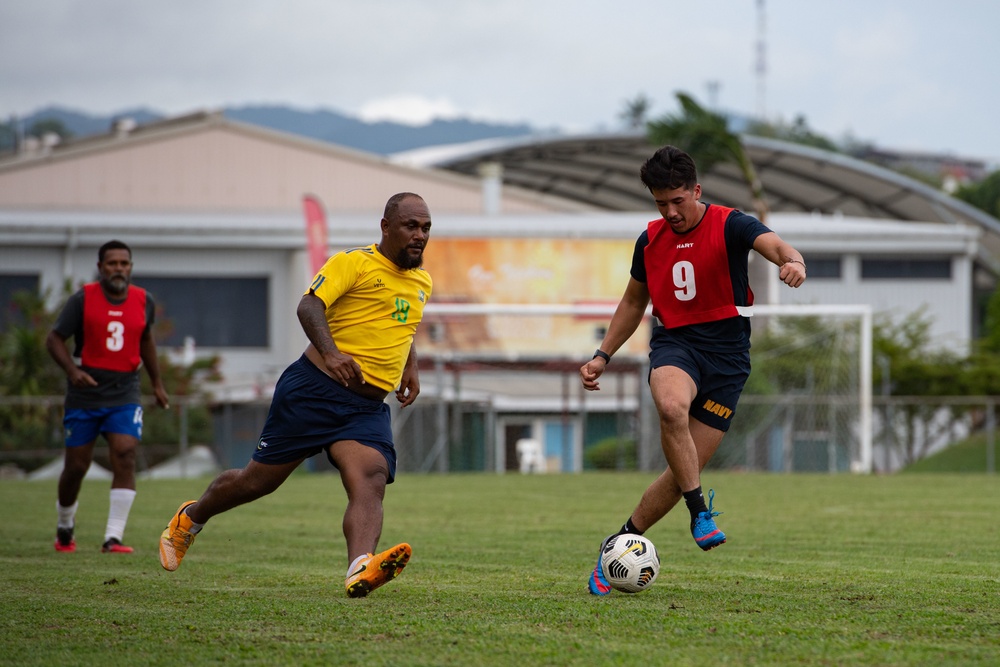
x=239, y=486
x=75, y=465
x=673, y=390
x=661, y=496
x=364, y=473
x=122, y=451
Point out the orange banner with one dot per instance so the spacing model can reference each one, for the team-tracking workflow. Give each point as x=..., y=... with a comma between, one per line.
x=526, y=271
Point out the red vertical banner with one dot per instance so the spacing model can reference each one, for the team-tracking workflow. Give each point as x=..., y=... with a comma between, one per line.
x=316, y=239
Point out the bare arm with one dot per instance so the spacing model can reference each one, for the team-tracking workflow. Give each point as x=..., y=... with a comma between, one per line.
x=771, y=247
x=147, y=352
x=312, y=316
x=409, y=386
x=628, y=315
x=76, y=376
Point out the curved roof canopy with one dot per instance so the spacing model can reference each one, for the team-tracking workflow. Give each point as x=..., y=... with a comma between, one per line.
x=603, y=171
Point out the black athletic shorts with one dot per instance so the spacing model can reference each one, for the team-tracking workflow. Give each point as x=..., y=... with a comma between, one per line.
x=719, y=377
x=310, y=411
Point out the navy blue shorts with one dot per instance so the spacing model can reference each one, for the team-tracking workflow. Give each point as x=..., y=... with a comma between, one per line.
x=310, y=411
x=719, y=377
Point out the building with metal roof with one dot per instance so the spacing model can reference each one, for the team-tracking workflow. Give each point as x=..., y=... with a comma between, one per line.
x=212, y=208
x=602, y=171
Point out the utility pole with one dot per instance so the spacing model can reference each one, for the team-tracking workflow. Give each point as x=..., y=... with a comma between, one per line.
x=761, y=62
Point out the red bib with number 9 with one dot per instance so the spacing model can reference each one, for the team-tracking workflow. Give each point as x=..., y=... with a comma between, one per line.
x=688, y=274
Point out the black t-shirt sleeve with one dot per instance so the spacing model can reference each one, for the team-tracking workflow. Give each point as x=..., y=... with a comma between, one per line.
x=743, y=229
x=69, y=324
x=638, y=270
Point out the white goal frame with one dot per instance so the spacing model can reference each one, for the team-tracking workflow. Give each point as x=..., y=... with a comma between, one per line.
x=861, y=311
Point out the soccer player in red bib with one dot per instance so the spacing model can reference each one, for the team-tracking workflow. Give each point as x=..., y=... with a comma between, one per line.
x=360, y=315
x=111, y=323
x=692, y=265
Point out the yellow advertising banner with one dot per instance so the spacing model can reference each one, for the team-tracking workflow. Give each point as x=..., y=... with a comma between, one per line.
x=525, y=271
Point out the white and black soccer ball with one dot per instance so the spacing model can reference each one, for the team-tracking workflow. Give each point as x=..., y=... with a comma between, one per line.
x=630, y=563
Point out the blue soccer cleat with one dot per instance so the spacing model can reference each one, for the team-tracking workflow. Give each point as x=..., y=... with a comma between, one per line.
x=706, y=534
x=597, y=584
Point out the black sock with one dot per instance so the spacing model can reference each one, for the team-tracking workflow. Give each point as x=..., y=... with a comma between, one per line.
x=695, y=501
x=629, y=527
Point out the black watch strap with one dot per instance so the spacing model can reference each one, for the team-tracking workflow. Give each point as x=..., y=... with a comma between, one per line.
x=603, y=355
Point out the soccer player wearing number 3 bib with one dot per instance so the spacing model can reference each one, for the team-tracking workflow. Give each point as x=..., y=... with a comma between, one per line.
x=110, y=322
x=692, y=265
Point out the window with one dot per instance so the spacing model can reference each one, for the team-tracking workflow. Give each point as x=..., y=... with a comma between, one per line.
x=216, y=312
x=924, y=269
x=10, y=284
x=823, y=267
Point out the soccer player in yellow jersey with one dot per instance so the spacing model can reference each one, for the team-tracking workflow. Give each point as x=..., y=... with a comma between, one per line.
x=360, y=314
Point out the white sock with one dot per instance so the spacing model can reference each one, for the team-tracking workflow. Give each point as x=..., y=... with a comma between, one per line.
x=354, y=565
x=121, y=505
x=67, y=515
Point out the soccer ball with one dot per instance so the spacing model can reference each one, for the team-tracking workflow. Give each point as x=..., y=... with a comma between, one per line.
x=630, y=563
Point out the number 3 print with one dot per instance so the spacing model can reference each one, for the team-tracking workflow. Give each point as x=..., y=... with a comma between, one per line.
x=116, y=336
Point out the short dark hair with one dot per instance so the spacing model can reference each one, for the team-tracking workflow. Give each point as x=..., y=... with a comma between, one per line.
x=394, y=201
x=113, y=245
x=669, y=168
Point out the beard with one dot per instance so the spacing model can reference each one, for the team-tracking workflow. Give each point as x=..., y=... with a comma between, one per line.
x=405, y=261
x=116, y=284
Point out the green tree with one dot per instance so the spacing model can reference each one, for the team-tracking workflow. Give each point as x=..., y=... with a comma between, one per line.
x=26, y=368
x=44, y=126
x=635, y=112
x=8, y=136
x=803, y=357
x=920, y=370
x=984, y=195
x=706, y=137
x=797, y=132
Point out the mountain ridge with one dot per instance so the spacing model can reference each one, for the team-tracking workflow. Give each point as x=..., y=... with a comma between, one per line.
x=381, y=137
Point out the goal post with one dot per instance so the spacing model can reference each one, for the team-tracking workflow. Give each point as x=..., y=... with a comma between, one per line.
x=807, y=405
x=778, y=316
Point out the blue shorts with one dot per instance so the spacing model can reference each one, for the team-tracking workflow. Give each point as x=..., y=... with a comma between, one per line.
x=310, y=411
x=82, y=426
x=719, y=377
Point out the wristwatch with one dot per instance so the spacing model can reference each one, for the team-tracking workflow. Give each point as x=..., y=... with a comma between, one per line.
x=603, y=355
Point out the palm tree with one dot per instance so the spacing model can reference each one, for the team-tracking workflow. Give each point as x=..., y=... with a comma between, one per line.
x=635, y=112
x=706, y=137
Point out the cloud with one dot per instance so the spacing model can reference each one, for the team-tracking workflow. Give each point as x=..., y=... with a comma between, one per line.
x=408, y=109
x=897, y=72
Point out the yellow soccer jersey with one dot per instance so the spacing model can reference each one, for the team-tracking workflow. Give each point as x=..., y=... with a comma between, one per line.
x=373, y=308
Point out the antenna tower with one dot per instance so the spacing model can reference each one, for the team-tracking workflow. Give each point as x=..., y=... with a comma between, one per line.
x=761, y=62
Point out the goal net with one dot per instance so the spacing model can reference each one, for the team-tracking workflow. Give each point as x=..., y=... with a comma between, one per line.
x=493, y=375
x=808, y=403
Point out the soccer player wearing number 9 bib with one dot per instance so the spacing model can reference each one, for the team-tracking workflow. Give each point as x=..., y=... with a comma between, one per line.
x=111, y=323
x=692, y=265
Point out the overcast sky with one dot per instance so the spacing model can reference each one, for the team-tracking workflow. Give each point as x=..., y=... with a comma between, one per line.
x=904, y=74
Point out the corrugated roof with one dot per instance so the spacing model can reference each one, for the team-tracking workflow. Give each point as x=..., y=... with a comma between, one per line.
x=602, y=170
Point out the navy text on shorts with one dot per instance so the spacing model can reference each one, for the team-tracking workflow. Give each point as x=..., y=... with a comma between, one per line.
x=718, y=376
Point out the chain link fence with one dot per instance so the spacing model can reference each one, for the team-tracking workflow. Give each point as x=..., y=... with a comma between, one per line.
x=456, y=431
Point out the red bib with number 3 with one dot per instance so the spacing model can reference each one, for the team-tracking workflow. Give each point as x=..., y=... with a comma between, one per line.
x=688, y=274
x=112, y=332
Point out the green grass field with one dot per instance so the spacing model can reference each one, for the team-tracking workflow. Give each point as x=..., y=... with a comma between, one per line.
x=818, y=570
